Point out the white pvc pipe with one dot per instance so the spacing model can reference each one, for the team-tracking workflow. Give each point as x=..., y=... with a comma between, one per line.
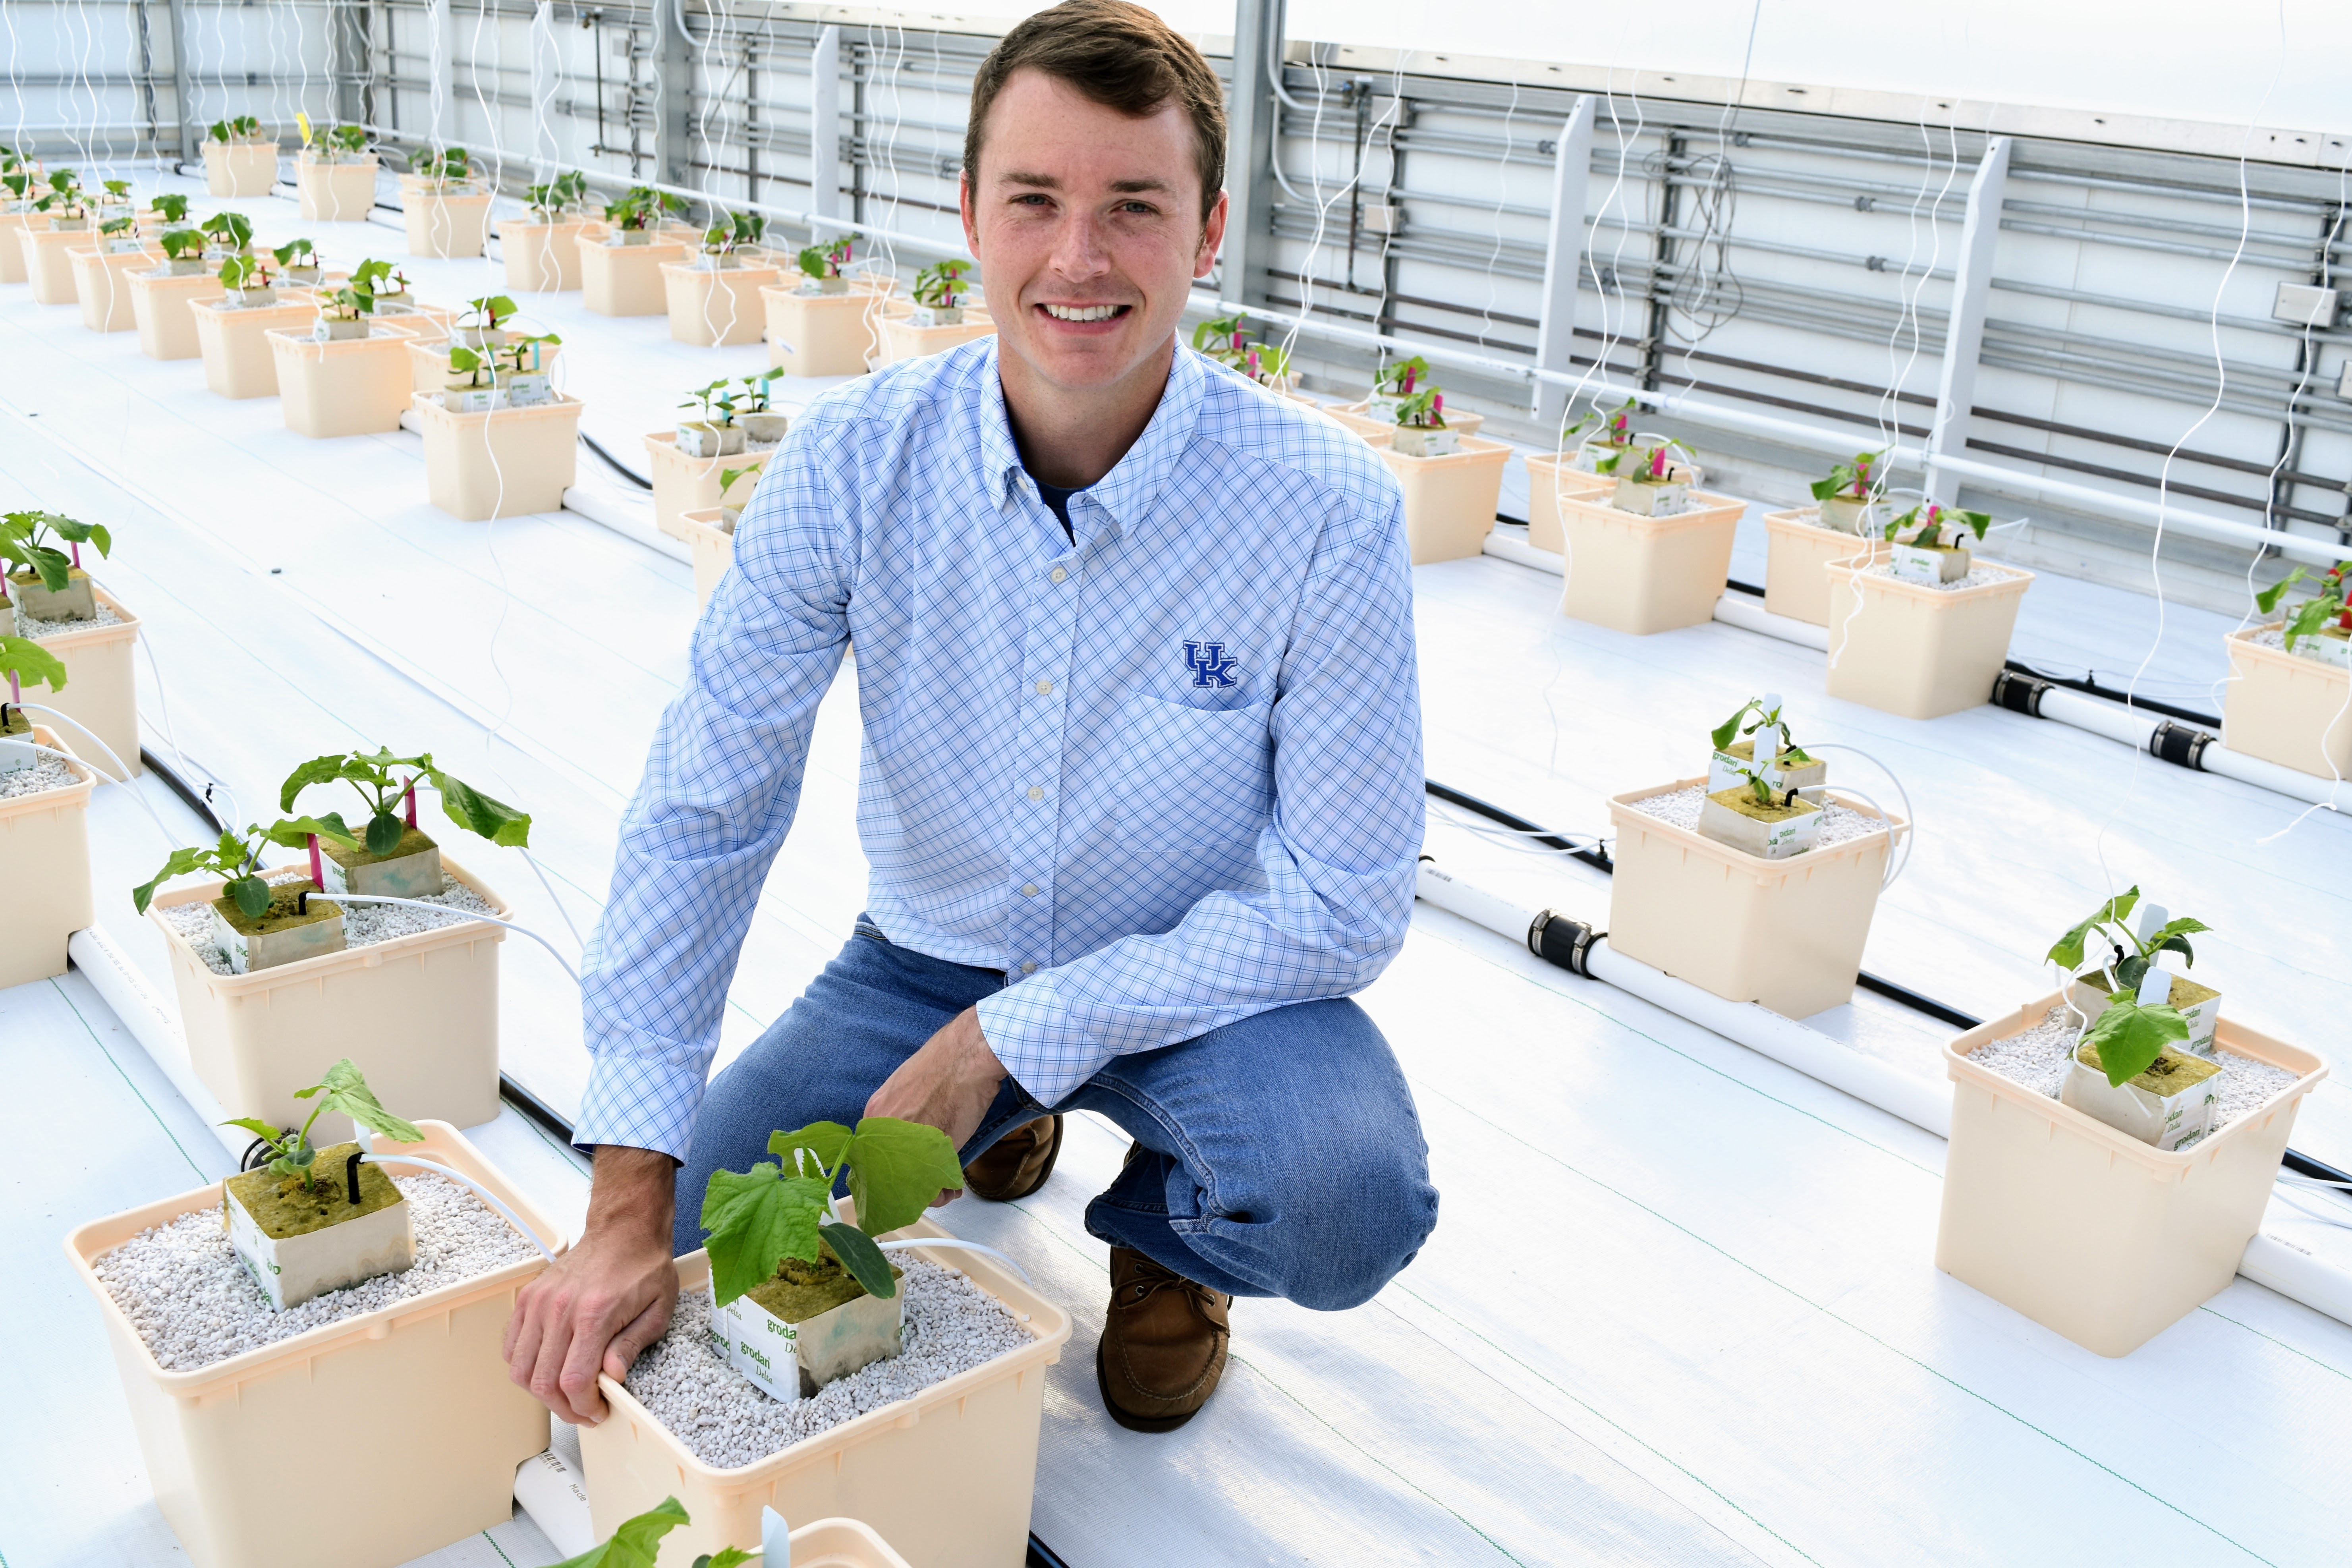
x=2298, y=1275
x=1750, y=614
x=121, y=987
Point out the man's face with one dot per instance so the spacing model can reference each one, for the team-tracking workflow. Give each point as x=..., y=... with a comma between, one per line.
x=1088, y=229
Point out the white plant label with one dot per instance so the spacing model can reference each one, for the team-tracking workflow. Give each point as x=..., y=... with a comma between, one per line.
x=17, y=756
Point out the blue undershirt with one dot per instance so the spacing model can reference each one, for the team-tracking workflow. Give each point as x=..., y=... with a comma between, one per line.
x=1056, y=496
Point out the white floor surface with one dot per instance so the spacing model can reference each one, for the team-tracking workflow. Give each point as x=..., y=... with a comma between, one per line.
x=1681, y=1308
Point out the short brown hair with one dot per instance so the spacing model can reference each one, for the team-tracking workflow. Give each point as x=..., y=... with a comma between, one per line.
x=1121, y=57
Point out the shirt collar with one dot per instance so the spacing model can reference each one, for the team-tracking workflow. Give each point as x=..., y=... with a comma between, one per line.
x=1134, y=483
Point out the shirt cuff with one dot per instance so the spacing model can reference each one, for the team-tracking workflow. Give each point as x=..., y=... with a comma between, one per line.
x=1031, y=1031
x=636, y=1099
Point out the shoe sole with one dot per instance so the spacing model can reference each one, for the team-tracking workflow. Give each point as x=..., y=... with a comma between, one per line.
x=1053, y=1155
x=1135, y=1423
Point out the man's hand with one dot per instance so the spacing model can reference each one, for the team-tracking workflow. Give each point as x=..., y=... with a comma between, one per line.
x=948, y=1084
x=596, y=1306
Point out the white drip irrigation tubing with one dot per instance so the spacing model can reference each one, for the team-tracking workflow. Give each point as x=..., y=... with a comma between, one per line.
x=2280, y=1265
x=1815, y=437
x=2058, y=704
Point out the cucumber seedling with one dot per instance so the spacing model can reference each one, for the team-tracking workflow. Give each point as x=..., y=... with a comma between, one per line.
x=758, y=1219
x=342, y=1090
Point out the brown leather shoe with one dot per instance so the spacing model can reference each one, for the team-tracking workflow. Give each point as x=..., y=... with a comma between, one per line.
x=1162, y=1347
x=1017, y=1164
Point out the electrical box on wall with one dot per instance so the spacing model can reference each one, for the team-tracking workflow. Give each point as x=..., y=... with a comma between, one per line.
x=2307, y=306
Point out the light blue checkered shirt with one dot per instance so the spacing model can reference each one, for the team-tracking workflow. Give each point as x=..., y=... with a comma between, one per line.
x=1163, y=778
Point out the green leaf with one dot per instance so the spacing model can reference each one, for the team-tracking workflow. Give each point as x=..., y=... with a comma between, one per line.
x=31, y=664
x=2268, y=599
x=294, y=832
x=2173, y=937
x=383, y=833
x=255, y=1126
x=896, y=1169
x=2129, y=972
x=755, y=1220
x=727, y=1557
x=182, y=862
x=2068, y=949
x=317, y=771
x=1723, y=733
x=636, y=1542
x=348, y=1092
x=865, y=1262
x=2128, y=1037
x=826, y=1143
x=472, y=810
x=252, y=896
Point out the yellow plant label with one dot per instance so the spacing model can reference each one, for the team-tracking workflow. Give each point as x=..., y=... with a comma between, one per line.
x=303, y=121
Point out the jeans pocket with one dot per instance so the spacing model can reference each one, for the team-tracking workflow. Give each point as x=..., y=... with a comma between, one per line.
x=869, y=930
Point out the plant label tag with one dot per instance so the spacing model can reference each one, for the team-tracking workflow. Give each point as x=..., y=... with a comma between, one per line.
x=16, y=755
x=2155, y=987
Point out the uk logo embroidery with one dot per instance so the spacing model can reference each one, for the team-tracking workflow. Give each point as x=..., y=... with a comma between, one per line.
x=1209, y=664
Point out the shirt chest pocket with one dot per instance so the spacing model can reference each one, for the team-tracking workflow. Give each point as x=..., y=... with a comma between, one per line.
x=1194, y=778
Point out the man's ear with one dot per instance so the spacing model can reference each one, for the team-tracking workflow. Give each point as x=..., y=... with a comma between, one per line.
x=1212, y=235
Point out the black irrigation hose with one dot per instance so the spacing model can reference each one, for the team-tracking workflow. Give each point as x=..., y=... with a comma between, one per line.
x=188, y=793
x=615, y=464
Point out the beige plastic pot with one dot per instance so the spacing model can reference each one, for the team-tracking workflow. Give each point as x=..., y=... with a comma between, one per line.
x=12, y=248
x=48, y=264
x=45, y=849
x=1787, y=934
x=505, y=463
x=102, y=284
x=2288, y=709
x=1549, y=482
x=441, y=1472
x=159, y=307
x=706, y=534
x=101, y=689
x=1449, y=502
x=684, y=484
x=713, y=310
x=428, y=358
x=240, y=168
x=1646, y=575
x=2086, y=1230
x=841, y=1544
x=901, y=339
x=626, y=279
x=335, y=192
x=419, y=1015
x=446, y=224
x=1796, y=551
x=235, y=342
x=821, y=334
x=1916, y=651
x=542, y=258
x=972, y=1440
x=357, y=387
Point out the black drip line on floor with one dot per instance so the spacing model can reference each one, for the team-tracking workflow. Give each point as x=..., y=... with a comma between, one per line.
x=2302, y=1165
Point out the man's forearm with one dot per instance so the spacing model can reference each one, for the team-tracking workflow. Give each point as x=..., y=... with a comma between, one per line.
x=634, y=1192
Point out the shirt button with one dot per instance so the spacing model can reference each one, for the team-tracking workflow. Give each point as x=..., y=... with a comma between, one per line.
x=1028, y=890
x=1058, y=574
x=1044, y=689
x=1028, y=967
x=1036, y=792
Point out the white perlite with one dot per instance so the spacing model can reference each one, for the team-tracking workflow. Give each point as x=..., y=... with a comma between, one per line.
x=1979, y=575
x=40, y=631
x=2037, y=1058
x=1679, y=808
x=192, y=1301
x=46, y=774
x=951, y=1326
x=364, y=925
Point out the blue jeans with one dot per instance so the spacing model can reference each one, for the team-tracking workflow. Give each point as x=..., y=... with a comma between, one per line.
x=1280, y=1155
